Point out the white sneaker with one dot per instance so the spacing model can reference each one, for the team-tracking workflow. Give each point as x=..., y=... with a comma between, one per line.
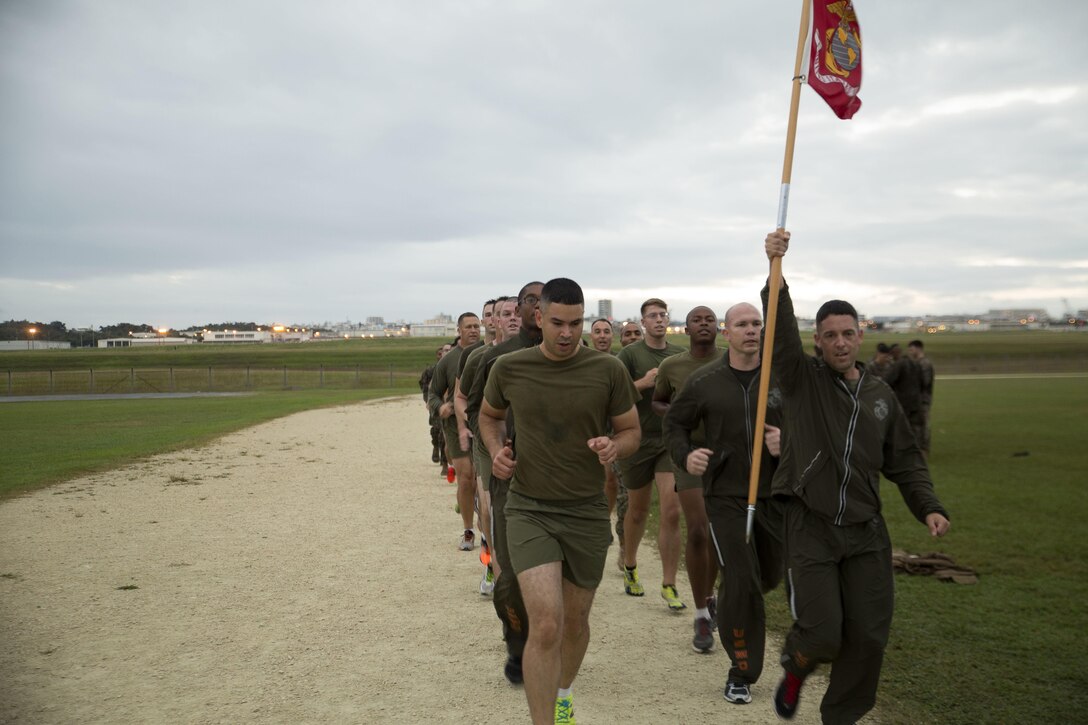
x=737, y=693
x=468, y=540
x=487, y=582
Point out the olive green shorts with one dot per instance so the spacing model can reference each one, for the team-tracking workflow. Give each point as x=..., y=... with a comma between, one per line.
x=639, y=470
x=453, y=442
x=575, y=533
x=686, y=481
x=481, y=459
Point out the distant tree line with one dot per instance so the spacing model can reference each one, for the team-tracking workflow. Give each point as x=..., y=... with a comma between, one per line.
x=57, y=331
x=244, y=326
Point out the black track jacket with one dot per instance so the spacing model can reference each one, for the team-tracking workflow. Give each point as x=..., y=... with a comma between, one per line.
x=836, y=443
x=714, y=396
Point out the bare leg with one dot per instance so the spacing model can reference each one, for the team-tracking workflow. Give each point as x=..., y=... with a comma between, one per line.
x=668, y=535
x=701, y=565
x=542, y=663
x=483, y=507
x=634, y=524
x=576, y=605
x=611, y=487
x=466, y=488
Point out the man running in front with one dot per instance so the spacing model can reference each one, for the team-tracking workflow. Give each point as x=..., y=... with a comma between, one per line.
x=841, y=428
x=562, y=396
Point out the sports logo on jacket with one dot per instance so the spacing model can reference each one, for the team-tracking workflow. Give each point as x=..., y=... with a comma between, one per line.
x=880, y=409
x=774, y=398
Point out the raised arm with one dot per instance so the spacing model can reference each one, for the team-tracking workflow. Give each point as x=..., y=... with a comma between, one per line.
x=789, y=353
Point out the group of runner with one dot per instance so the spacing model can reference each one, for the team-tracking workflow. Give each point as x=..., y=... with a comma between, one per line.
x=598, y=431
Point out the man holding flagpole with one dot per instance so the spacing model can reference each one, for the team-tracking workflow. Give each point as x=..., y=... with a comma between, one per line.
x=842, y=428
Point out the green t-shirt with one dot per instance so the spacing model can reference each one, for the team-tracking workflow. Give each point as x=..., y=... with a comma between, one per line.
x=445, y=375
x=558, y=407
x=640, y=359
x=468, y=374
x=674, y=372
x=465, y=356
x=475, y=388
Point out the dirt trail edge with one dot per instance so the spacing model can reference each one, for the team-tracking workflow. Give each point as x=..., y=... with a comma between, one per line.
x=304, y=570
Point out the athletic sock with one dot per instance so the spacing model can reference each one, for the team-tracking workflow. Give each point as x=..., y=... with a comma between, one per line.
x=704, y=613
x=563, y=692
x=630, y=568
x=793, y=688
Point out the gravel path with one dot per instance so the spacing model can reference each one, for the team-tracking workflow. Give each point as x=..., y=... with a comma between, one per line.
x=303, y=570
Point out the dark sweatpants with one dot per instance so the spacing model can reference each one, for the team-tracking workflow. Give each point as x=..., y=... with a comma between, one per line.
x=509, y=605
x=748, y=571
x=842, y=596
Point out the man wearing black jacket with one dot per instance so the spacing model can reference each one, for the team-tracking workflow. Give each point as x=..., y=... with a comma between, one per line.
x=842, y=428
x=719, y=401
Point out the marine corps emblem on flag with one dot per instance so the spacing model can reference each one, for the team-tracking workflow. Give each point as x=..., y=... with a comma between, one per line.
x=835, y=55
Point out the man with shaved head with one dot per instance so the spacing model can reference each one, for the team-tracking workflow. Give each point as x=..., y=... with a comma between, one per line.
x=701, y=326
x=709, y=428
x=630, y=333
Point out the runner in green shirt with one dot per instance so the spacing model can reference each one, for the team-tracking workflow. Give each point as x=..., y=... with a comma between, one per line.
x=440, y=401
x=701, y=325
x=651, y=462
x=562, y=396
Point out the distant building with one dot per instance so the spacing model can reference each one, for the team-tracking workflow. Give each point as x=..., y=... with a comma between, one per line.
x=1016, y=318
x=15, y=345
x=604, y=309
x=375, y=321
x=237, y=336
x=276, y=334
x=144, y=339
x=442, y=325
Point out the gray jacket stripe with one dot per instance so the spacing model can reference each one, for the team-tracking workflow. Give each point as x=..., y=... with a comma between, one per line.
x=850, y=430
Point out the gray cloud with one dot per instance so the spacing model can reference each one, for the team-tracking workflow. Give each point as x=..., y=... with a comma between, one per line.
x=302, y=162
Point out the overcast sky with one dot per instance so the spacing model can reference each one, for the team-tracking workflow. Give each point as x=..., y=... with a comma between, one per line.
x=177, y=163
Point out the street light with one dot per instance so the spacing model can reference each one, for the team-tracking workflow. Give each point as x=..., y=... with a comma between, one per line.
x=30, y=337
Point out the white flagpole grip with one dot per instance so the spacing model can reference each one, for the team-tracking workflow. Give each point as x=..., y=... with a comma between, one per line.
x=783, y=205
x=751, y=523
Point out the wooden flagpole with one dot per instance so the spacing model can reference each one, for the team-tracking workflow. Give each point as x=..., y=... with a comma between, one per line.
x=775, y=282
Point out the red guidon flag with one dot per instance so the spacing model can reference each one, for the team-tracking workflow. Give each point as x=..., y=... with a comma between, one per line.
x=834, y=57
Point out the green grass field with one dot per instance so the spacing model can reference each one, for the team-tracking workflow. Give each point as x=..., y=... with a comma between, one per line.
x=1010, y=465
x=50, y=441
